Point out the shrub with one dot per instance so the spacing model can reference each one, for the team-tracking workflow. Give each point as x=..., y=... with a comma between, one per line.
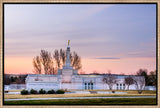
x=51, y=92
x=24, y=92
x=32, y=91
x=42, y=91
x=60, y=91
x=139, y=91
x=113, y=91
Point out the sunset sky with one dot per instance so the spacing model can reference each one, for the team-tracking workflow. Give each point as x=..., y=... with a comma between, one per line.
x=116, y=37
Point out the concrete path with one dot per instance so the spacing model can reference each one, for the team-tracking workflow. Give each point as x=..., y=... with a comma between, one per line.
x=80, y=98
x=13, y=93
x=93, y=92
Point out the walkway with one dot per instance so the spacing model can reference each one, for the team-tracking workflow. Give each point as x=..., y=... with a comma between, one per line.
x=80, y=98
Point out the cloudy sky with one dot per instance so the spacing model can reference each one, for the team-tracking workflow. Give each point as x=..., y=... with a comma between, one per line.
x=116, y=37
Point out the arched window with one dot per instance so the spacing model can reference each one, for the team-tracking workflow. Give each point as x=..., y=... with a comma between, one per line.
x=123, y=86
x=88, y=85
x=117, y=86
x=85, y=85
x=120, y=86
x=92, y=86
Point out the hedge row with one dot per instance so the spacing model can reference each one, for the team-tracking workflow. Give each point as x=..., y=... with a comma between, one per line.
x=41, y=91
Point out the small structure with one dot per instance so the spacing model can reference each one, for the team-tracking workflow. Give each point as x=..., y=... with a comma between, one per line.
x=68, y=78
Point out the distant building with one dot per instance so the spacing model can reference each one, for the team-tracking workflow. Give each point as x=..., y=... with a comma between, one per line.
x=68, y=78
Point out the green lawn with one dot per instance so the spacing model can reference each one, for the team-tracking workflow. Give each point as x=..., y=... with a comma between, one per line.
x=113, y=101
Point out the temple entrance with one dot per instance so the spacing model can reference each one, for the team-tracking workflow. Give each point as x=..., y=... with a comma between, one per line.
x=88, y=86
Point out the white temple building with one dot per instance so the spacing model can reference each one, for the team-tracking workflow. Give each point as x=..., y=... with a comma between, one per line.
x=68, y=78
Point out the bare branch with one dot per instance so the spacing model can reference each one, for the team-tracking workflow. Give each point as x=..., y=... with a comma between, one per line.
x=129, y=81
x=56, y=56
x=139, y=82
x=47, y=62
x=37, y=65
x=110, y=80
x=62, y=56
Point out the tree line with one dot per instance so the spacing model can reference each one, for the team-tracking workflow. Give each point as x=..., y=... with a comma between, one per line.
x=47, y=63
x=18, y=79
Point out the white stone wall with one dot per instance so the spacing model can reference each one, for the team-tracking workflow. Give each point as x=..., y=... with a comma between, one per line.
x=76, y=82
x=46, y=82
x=71, y=86
x=43, y=85
x=15, y=86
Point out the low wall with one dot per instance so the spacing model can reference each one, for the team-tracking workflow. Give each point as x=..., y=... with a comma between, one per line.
x=150, y=88
x=15, y=87
x=42, y=85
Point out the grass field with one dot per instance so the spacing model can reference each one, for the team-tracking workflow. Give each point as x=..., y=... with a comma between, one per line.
x=113, y=101
x=14, y=90
x=12, y=96
x=130, y=93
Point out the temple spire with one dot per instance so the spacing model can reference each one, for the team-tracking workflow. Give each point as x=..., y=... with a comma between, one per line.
x=68, y=60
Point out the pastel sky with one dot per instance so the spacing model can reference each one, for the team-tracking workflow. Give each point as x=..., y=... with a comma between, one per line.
x=116, y=37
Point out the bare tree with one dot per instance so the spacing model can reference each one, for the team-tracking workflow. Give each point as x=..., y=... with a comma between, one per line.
x=57, y=58
x=76, y=61
x=110, y=80
x=62, y=56
x=143, y=72
x=153, y=78
x=47, y=62
x=37, y=65
x=18, y=81
x=139, y=82
x=6, y=79
x=128, y=81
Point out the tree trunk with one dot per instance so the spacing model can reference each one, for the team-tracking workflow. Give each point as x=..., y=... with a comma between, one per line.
x=128, y=87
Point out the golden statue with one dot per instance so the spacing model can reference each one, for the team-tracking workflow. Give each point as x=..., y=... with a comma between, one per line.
x=68, y=42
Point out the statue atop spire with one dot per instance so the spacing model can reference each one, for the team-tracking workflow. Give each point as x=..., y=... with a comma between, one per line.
x=68, y=42
x=68, y=60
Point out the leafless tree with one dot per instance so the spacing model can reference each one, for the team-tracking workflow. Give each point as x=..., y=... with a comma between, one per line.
x=110, y=80
x=143, y=72
x=139, y=82
x=6, y=79
x=18, y=81
x=153, y=78
x=128, y=81
x=37, y=65
x=47, y=62
x=57, y=58
x=62, y=56
x=76, y=61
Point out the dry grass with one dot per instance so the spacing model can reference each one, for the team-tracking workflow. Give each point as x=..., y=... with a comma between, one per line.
x=12, y=96
x=129, y=93
x=14, y=90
